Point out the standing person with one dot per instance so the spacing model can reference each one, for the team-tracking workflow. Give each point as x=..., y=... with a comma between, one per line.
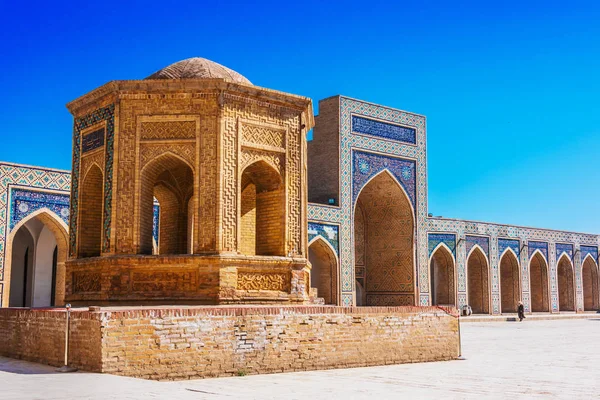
x=521, y=311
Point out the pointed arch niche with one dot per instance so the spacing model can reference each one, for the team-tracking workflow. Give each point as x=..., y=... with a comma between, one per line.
x=478, y=281
x=510, y=288
x=324, y=273
x=539, y=283
x=591, y=298
x=442, y=273
x=566, y=284
x=384, y=213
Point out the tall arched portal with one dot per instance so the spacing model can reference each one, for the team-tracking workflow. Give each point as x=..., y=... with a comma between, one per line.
x=171, y=181
x=509, y=282
x=442, y=277
x=538, y=278
x=262, y=211
x=37, y=250
x=566, y=284
x=388, y=242
x=324, y=276
x=591, y=298
x=478, y=281
x=90, y=213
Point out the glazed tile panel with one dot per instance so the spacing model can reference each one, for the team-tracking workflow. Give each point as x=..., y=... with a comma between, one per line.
x=383, y=130
x=434, y=240
x=329, y=233
x=24, y=202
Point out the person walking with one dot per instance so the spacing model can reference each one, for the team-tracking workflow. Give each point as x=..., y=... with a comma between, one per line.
x=521, y=311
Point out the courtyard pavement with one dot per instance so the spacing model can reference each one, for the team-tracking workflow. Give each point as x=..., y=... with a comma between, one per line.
x=549, y=359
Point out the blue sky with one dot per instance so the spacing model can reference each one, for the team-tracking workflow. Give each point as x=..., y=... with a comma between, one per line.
x=510, y=91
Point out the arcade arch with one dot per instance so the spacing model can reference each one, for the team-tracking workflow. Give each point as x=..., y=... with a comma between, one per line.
x=510, y=293
x=478, y=281
x=442, y=273
x=538, y=281
x=589, y=274
x=566, y=284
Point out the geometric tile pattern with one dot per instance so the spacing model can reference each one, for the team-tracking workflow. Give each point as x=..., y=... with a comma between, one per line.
x=13, y=176
x=329, y=233
x=541, y=246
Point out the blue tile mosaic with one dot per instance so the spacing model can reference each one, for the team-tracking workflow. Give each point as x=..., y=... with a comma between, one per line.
x=513, y=244
x=591, y=250
x=328, y=232
x=24, y=202
x=92, y=140
x=541, y=246
x=384, y=130
x=366, y=165
x=481, y=241
x=564, y=248
x=434, y=239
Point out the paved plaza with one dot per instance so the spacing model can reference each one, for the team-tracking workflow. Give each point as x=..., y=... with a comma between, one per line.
x=550, y=359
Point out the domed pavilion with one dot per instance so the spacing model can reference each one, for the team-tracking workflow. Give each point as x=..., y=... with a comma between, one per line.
x=189, y=186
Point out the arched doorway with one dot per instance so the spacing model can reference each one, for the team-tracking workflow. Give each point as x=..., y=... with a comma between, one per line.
x=388, y=242
x=168, y=182
x=538, y=281
x=510, y=292
x=566, y=284
x=262, y=216
x=36, y=255
x=442, y=277
x=324, y=276
x=90, y=213
x=478, y=281
x=591, y=299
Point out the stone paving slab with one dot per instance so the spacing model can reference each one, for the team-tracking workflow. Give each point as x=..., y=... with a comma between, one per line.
x=533, y=359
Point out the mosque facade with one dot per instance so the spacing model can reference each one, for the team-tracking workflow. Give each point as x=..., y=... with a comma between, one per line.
x=196, y=166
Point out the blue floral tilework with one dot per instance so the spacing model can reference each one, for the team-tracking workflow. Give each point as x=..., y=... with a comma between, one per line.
x=564, y=248
x=513, y=244
x=384, y=130
x=541, y=246
x=434, y=239
x=481, y=241
x=155, y=221
x=367, y=165
x=591, y=250
x=328, y=232
x=24, y=202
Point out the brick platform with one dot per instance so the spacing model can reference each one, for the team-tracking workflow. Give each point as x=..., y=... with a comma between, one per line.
x=191, y=342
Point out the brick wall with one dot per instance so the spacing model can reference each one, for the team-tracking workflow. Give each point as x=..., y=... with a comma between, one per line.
x=192, y=342
x=324, y=153
x=539, y=284
x=39, y=336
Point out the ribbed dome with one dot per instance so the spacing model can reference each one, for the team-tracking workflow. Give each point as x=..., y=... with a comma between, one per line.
x=199, y=68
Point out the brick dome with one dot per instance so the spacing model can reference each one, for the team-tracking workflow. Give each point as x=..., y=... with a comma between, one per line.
x=199, y=68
